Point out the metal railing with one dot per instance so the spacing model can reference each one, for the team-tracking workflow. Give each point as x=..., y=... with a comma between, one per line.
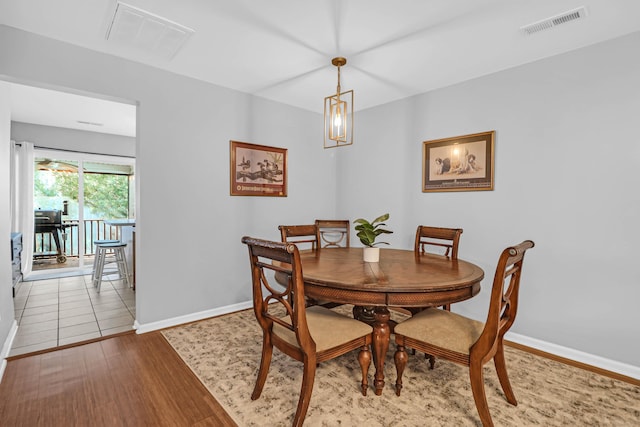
x=94, y=229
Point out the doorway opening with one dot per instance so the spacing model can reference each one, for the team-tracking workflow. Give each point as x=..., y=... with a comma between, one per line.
x=76, y=196
x=73, y=169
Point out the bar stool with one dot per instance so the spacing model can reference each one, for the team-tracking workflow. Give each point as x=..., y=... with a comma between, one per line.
x=119, y=258
x=95, y=260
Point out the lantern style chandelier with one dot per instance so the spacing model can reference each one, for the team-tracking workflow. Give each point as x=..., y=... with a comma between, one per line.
x=338, y=114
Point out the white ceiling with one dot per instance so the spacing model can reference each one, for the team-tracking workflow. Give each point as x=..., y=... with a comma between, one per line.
x=61, y=109
x=282, y=49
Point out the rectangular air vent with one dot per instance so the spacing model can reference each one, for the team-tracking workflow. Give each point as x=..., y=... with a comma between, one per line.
x=143, y=30
x=554, y=21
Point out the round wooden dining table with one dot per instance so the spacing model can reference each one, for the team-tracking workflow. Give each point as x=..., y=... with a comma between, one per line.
x=400, y=279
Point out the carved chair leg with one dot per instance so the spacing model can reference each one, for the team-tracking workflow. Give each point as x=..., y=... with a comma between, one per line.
x=501, y=369
x=265, y=361
x=477, y=387
x=364, y=358
x=308, y=377
x=400, y=357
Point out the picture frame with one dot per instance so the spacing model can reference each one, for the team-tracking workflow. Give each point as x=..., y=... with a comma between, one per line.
x=257, y=170
x=460, y=163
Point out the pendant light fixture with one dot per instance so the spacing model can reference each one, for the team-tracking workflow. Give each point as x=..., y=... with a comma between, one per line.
x=338, y=114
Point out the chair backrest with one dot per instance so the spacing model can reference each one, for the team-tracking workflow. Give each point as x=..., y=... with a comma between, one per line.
x=436, y=238
x=272, y=304
x=503, y=304
x=304, y=236
x=333, y=233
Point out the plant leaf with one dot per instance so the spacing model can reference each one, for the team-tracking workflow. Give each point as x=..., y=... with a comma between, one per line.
x=367, y=237
x=383, y=231
x=381, y=218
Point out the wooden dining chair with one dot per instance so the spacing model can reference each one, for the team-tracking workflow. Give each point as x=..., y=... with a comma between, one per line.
x=333, y=233
x=304, y=236
x=310, y=335
x=466, y=341
x=446, y=239
x=440, y=240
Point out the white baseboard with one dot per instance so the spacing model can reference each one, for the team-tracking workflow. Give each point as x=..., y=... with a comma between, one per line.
x=6, y=347
x=192, y=317
x=576, y=355
x=558, y=350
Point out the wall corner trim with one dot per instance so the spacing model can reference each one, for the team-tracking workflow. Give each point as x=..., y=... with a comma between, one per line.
x=576, y=355
x=192, y=317
x=6, y=347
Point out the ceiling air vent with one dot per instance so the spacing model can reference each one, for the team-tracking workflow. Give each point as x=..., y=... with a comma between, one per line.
x=145, y=31
x=554, y=21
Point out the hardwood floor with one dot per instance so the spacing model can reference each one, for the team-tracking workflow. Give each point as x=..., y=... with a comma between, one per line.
x=127, y=380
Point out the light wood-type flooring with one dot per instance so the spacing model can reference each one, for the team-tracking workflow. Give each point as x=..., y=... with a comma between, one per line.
x=126, y=380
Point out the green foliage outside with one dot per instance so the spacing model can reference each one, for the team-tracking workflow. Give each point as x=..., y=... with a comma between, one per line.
x=105, y=195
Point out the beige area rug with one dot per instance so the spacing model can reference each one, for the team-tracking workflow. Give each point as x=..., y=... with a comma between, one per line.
x=224, y=352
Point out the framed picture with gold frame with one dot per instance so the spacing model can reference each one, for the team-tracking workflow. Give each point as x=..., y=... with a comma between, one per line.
x=460, y=163
x=257, y=170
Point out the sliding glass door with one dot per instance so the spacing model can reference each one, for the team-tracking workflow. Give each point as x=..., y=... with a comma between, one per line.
x=73, y=194
x=108, y=194
x=55, y=184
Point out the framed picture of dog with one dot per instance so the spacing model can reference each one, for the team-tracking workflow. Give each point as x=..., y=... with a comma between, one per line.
x=460, y=163
x=258, y=170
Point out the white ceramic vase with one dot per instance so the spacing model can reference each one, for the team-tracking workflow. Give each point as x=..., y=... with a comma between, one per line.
x=371, y=254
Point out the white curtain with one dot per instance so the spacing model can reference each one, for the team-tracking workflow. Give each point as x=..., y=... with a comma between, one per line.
x=22, y=199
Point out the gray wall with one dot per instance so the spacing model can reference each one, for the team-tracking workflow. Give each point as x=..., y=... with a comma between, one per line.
x=565, y=127
x=74, y=140
x=189, y=255
x=6, y=300
x=566, y=143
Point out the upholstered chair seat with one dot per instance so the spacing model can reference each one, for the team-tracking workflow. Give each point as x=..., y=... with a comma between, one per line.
x=442, y=329
x=328, y=329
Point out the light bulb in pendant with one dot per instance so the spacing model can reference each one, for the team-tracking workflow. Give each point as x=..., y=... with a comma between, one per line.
x=337, y=120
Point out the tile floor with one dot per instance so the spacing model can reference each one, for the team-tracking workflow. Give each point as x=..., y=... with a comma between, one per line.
x=55, y=312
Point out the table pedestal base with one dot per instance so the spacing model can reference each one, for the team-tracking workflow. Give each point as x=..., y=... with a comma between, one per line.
x=380, y=344
x=378, y=317
x=364, y=314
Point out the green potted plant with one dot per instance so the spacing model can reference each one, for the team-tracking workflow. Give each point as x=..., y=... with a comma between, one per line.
x=368, y=232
